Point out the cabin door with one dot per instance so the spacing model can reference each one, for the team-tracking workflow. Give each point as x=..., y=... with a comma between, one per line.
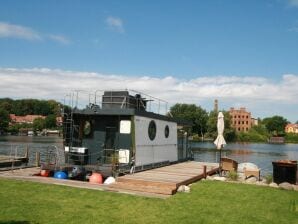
x=110, y=144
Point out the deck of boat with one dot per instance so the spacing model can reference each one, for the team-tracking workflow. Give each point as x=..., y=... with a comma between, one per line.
x=166, y=180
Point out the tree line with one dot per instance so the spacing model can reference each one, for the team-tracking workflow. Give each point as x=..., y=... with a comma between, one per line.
x=204, y=125
x=21, y=107
x=30, y=106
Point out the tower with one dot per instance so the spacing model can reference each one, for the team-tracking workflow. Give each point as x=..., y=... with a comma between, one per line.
x=216, y=105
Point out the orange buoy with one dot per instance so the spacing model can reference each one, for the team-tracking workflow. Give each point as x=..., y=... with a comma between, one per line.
x=95, y=178
x=45, y=173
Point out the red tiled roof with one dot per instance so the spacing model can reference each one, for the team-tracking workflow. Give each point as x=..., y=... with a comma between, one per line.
x=24, y=119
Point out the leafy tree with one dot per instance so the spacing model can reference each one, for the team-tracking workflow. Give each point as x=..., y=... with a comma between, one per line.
x=50, y=121
x=193, y=113
x=275, y=125
x=4, y=120
x=229, y=132
x=5, y=105
x=257, y=133
x=38, y=124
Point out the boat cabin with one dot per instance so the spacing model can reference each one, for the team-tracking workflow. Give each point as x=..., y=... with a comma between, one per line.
x=121, y=136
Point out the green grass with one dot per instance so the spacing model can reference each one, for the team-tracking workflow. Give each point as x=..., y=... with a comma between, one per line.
x=208, y=202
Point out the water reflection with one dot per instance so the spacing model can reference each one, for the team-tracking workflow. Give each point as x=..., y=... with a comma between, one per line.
x=260, y=154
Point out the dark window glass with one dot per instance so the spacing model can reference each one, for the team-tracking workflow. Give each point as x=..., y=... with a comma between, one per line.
x=167, y=131
x=152, y=130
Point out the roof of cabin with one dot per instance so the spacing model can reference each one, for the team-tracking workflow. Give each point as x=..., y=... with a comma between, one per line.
x=127, y=112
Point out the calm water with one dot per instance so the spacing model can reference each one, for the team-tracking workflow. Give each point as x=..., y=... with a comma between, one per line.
x=9, y=145
x=260, y=154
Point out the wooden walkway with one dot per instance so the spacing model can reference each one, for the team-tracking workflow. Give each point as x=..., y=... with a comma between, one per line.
x=166, y=180
x=160, y=182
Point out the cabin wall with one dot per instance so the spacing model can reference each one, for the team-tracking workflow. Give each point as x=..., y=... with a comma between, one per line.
x=103, y=140
x=160, y=148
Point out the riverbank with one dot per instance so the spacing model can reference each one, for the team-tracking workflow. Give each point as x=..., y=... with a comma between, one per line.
x=208, y=202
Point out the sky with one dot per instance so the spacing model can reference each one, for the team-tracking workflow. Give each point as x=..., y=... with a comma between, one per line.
x=243, y=53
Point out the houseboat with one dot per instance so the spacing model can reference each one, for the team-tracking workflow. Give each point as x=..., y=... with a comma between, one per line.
x=119, y=135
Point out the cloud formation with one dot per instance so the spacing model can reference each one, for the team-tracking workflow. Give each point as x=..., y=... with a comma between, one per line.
x=16, y=31
x=293, y=3
x=262, y=96
x=8, y=30
x=115, y=23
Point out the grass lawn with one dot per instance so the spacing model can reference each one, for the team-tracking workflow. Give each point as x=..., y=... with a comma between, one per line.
x=208, y=202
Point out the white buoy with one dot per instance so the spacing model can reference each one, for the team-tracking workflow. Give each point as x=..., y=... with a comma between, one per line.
x=109, y=180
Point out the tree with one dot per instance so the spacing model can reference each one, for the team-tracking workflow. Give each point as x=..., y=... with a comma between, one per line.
x=4, y=120
x=193, y=113
x=38, y=124
x=229, y=132
x=50, y=121
x=275, y=125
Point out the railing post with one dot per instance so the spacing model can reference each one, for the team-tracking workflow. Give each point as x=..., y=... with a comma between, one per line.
x=37, y=159
x=205, y=171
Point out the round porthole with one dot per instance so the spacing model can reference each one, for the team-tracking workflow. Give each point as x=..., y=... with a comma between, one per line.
x=87, y=128
x=152, y=130
x=167, y=131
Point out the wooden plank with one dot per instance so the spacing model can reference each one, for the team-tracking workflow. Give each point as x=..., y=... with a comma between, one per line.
x=166, y=180
x=142, y=188
x=146, y=182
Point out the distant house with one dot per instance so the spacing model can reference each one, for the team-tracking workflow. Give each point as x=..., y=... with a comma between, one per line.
x=291, y=128
x=27, y=119
x=241, y=119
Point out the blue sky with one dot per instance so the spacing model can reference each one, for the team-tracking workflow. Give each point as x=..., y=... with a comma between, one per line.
x=183, y=40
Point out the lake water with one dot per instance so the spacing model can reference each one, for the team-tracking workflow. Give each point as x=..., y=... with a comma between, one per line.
x=260, y=154
x=11, y=145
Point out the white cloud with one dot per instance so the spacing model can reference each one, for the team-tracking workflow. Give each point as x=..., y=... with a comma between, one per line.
x=115, y=24
x=59, y=38
x=262, y=96
x=8, y=30
x=293, y=3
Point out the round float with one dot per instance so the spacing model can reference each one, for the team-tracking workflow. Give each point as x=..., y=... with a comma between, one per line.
x=95, y=178
x=60, y=175
x=45, y=173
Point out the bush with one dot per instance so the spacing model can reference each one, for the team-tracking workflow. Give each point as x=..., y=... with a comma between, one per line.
x=268, y=178
x=291, y=137
x=232, y=175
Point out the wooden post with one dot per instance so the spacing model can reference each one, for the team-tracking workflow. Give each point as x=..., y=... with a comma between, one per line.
x=37, y=159
x=205, y=171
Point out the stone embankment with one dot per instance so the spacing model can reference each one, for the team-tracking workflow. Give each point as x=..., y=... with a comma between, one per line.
x=254, y=180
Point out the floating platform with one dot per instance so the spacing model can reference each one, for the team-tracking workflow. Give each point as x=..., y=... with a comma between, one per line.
x=160, y=182
x=166, y=180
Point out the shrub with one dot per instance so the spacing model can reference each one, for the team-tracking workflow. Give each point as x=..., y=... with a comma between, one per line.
x=232, y=175
x=268, y=178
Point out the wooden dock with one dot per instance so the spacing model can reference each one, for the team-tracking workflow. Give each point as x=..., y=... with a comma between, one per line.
x=160, y=182
x=10, y=161
x=166, y=180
